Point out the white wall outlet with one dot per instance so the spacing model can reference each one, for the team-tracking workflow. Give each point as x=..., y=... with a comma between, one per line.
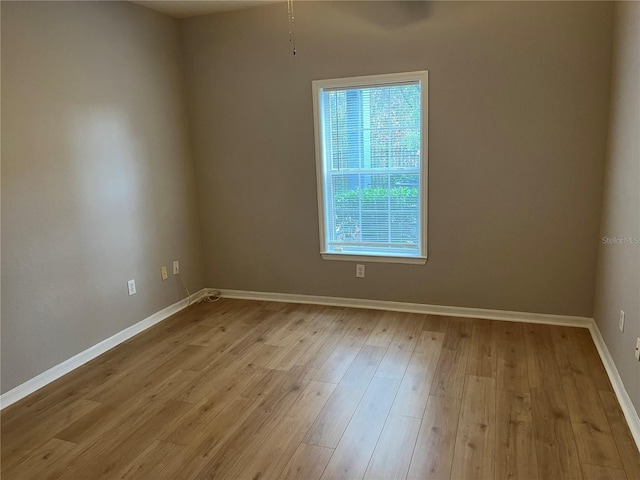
x=360, y=271
x=176, y=267
x=165, y=275
x=131, y=286
x=621, y=324
x=638, y=349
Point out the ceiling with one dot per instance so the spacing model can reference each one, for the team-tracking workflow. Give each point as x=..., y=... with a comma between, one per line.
x=190, y=8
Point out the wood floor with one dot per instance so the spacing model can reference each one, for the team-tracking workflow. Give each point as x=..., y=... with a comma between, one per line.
x=257, y=390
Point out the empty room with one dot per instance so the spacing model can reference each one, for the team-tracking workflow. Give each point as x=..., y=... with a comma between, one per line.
x=301, y=239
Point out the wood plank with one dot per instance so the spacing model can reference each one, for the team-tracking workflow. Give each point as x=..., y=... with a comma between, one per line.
x=542, y=368
x=594, y=439
x=308, y=323
x=452, y=364
x=205, y=439
x=254, y=336
x=334, y=418
x=594, y=472
x=216, y=338
x=239, y=311
x=483, y=357
x=222, y=410
x=347, y=349
x=328, y=343
x=433, y=453
x=194, y=426
x=356, y=446
x=269, y=454
x=333, y=328
x=168, y=384
x=227, y=309
x=321, y=345
x=218, y=461
x=436, y=323
x=474, y=455
x=399, y=352
x=35, y=464
x=288, y=318
x=115, y=450
x=31, y=411
x=556, y=451
x=597, y=371
x=298, y=321
x=515, y=441
x=392, y=455
x=126, y=414
x=21, y=443
x=385, y=330
x=92, y=424
x=192, y=357
x=262, y=383
x=301, y=344
x=227, y=374
x=511, y=371
x=163, y=350
x=151, y=462
x=624, y=440
x=414, y=390
x=307, y=463
x=157, y=342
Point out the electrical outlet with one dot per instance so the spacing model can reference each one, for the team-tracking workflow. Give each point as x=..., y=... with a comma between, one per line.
x=176, y=267
x=360, y=271
x=131, y=286
x=165, y=275
x=638, y=349
x=621, y=324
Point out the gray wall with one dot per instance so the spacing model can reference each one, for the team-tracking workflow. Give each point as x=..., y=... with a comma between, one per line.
x=618, y=282
x=97, y=179
x=519, y=98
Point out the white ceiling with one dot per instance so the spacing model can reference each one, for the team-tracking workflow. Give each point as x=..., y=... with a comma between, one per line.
x=190, y=8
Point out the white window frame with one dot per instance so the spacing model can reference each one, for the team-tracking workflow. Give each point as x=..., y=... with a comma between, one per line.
x=321, y=160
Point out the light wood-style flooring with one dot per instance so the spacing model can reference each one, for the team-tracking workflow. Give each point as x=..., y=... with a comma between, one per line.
x=258, y=390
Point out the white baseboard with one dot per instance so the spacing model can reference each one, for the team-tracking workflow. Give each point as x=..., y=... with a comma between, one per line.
x=90, y=353
x=571, y=321
x=629, y=411
x=565, y=320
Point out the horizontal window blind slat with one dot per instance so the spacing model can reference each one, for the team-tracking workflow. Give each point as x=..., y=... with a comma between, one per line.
x=399, y=83
x=374, y=171
x=373, y=244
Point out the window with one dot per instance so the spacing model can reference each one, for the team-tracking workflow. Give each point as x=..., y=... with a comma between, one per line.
x=371, y=158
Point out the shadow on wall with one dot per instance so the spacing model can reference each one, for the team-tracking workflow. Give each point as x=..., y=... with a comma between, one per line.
x=112, y=190
x=399, y=14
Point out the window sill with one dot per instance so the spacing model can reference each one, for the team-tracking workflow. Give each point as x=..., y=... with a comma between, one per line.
x=374, y=258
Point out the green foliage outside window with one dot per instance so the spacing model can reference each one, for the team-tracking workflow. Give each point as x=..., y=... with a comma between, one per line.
x=355, y=210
